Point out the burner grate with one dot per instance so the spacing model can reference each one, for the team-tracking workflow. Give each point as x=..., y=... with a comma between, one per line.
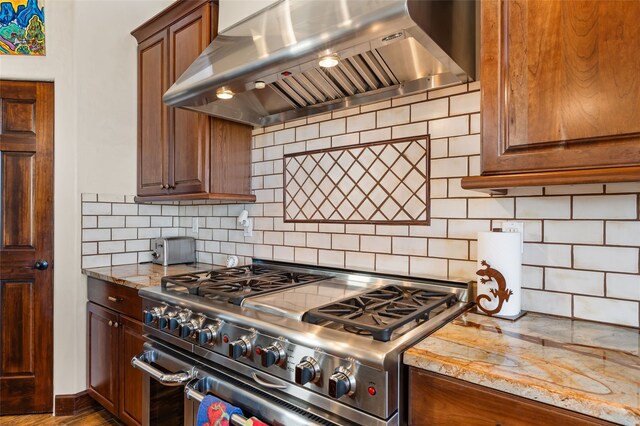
x=235, y=284
x=382, y=311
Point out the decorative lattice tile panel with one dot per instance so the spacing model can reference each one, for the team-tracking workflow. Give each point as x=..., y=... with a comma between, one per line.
x=382, y=182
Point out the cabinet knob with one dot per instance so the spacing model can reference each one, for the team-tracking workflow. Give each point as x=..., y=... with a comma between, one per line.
x=110, y=323
x=116, y=325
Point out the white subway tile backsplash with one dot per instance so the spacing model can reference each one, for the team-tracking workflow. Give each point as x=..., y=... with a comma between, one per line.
x=573, y=232
x=543, y=208
x=409, y=246
x=436, y=228
x=449, y=167
x=124, y=258
x=623, y=233
x=105, y=247
x=127, y=209
x=464, y=145
x=446, y=127
x=311, y=131
x=96, y=234
x=491, y=208
x=361, y=122
x=110, y=221
x=428, y=267
x=605, y=207
x=451, y=249
x=574, y=281
x=358, y=260
x=392, y=264
x=138, y=221
x=532, y=277
x=96, y=261
x=462, y=270
x=89, y=222
x=449, y=208
x=96, y=208
x=614, y=259
x=110, y=198
x=468, y=229
x=606, y=310
x=547, y=255
x=393, y=116
x=89, y=248
x=375, y=135
x=345, y=242
x=546, y=302
x=409, y=130
x=465, y=104
x=375, y=107
x=375, y=244
x=333, y=127
x=331, y=258
x=623, y=286
x=430, y=110
x=306, y=255
x=150, y=210
x=124, y=233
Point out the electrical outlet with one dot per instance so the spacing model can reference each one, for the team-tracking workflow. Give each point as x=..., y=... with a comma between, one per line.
x=232, y=261
x=194, y=225
x=513, y=226
x=248, y=228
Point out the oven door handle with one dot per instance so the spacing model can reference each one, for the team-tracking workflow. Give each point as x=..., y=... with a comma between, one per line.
x=168, y=379
x=191, y=393
x=266, y=384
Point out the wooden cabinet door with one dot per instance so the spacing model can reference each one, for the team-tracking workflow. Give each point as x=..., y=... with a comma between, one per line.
x=438, y=400
x=102, y=356
x=26, y=236
x=188, y=131
x=131, y=341
x=153, y=148
x=560, y=85
x=230, y=164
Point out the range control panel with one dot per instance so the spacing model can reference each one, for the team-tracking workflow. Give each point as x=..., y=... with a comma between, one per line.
x=339, y=378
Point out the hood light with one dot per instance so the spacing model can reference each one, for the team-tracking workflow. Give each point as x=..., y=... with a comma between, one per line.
x=329, y=61
x=260, y=84
x=224, y=94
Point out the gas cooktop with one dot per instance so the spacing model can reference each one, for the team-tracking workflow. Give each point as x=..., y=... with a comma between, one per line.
x=321, y=334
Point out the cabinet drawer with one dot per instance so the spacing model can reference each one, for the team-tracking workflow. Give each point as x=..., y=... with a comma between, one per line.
x=124, y=300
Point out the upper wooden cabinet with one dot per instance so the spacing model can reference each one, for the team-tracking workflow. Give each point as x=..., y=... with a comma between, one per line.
x=183, y=154
x=560, y=89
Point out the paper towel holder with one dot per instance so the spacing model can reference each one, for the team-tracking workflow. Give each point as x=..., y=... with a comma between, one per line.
x=502, y=293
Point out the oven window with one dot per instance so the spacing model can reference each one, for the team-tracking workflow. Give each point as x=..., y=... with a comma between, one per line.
x=166, y=404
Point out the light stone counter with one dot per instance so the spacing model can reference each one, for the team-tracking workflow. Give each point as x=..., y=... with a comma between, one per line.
x=582, y=366
x=143, y=274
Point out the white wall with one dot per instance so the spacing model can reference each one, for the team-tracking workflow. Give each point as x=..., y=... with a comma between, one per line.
x=91, y=57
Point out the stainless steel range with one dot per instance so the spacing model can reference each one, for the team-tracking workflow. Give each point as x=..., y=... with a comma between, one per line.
x=306, y=345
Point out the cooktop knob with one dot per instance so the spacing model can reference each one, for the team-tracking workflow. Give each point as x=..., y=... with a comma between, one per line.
x=307, y=371
x=186, y=329
x=163, y=321
x=149, y=316
x=206, y=335
x=273, y=354
x=240, y=347
x=174, y=322
x=341, y=383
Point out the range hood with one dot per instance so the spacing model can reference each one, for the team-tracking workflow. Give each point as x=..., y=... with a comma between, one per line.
x=269, y=62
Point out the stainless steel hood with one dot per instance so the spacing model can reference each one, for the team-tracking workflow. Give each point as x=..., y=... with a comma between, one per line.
x=385, y=48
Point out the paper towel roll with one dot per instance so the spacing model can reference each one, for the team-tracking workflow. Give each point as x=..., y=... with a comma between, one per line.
x=501, y=250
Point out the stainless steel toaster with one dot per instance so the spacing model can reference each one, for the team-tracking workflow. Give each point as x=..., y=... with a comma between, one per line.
x=172, y=250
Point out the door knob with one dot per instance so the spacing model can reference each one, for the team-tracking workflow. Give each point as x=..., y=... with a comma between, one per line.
x=41, y=265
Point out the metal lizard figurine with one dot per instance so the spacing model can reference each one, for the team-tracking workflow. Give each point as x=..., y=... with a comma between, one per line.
x=502, y=292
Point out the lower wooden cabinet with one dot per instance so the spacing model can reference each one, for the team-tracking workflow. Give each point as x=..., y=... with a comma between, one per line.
x=112, y=340
x=438, y=400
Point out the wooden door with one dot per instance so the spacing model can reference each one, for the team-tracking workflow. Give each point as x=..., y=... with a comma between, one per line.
x=153, y=148
x=26, y=238
x=131, y=341
x=560, y=85
x=102, y=356
x=188, y=131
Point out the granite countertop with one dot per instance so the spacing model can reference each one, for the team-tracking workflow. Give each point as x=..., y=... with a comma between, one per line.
x=143, y=274
x=586, y=367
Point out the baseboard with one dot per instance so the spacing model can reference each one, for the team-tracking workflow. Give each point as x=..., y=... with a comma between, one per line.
x=69, y=405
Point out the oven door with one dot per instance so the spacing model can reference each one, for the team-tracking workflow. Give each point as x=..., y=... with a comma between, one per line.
x=174, y=383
